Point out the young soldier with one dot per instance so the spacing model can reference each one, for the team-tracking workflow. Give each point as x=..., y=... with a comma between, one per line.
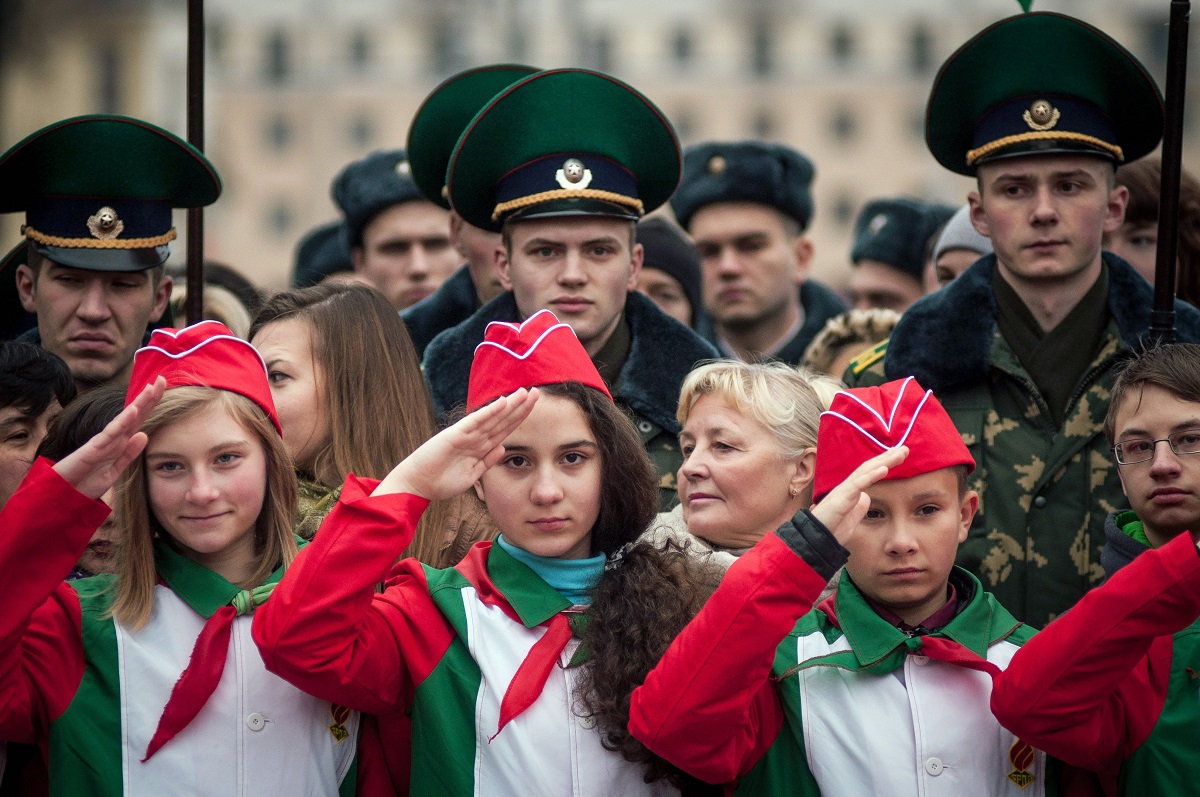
x=881, y=689
x=747, y=205
x=551, y=164
x=97, y=193
x=1022, y=347
x=891, y=238
x=1110, y=685
x=435, y=130
x=399, y=241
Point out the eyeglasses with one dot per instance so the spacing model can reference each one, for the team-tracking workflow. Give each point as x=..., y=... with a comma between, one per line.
x=1131, y=452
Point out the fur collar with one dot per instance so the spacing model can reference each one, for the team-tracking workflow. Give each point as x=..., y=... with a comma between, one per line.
x=661, y=353
x=945, y=339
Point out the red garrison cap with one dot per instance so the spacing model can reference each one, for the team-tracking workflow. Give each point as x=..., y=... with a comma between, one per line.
x=864, y=422
x=539, y=351
x=205, y=354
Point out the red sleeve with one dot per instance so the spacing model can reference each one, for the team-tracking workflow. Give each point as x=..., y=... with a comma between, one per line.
x=43, y=529
x=709, y=707
x=325, y=629
x=1091, y=686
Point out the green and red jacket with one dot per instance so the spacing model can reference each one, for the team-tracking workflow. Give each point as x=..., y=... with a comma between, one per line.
x=443, y=645
x=91, y=691
x=762, y=692
x=1114, y=684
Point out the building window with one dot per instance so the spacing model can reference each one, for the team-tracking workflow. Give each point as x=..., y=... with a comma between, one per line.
x=920, y=49
x=844, y=125
x=1154, y=38
x=277, y=67
x=843, y=208
x=602, y=51
x=216, y=35
x=108, y=76
x=762, y=47
x=685, y=124
x=279, y=218
x=446, y=42
x=279, y=133
x=842, y=45
x=359, y=54
x=683, y=48
x=763, y=124
x=362, y=132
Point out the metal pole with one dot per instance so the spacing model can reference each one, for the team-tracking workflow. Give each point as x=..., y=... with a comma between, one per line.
x=194, y=306
x=1162, y=317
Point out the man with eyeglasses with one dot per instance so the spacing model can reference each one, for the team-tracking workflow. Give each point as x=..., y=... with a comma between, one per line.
x=1111, y=685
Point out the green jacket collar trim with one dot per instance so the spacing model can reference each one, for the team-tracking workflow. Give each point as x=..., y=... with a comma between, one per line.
x=877, y=645
x=531, y=598
x=197, y=586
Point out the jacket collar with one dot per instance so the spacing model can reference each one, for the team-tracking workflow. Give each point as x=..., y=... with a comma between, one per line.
x=502, y=581
x=197, y=586
x=878, y=646
x=965, y=312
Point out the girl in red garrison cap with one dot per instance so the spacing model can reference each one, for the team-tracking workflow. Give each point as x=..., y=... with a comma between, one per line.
x=485, y=656
x=147, y=681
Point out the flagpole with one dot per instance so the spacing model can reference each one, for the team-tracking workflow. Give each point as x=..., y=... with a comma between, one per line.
x=1162, y=317
x=194, y=307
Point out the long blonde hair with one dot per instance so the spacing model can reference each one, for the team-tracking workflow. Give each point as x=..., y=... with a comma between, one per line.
x=379, y=407
x=274, y=543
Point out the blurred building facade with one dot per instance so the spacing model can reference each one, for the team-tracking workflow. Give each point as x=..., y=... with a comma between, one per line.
x=297, y=88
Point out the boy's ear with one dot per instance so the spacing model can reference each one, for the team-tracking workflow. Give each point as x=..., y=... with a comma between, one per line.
x=966, y=513
x=479, y=491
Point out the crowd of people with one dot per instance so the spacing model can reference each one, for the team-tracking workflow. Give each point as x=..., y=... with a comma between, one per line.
x=527, y=486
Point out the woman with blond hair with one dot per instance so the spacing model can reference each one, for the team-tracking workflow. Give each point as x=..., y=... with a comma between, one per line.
x=351, y=398
x=147, y=681
x=749, y=442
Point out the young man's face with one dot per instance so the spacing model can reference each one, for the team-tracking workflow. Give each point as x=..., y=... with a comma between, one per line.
x=581, y=268
x=750, y=265
x=1164, y=491
x=406, y=253
x=902, y=552
x=874, y=283
x=20, y=434
x=93, y=320
x=1046, y=215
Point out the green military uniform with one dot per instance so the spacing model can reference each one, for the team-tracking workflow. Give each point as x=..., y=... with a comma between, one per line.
x=1031, y=405
x=569, y=143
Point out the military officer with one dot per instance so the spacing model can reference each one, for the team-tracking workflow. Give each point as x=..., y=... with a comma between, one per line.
x=97, y=193
x=891, y=237
x=562, y=164
x=1039, y=108
x=747, y=206
x=431, y=138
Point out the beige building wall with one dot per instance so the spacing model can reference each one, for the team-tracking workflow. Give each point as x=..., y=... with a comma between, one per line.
x=297, y=88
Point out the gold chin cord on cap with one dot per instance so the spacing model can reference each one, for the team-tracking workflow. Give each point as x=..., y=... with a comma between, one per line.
x=974, y=155
x=98, y=243
x=567, y=193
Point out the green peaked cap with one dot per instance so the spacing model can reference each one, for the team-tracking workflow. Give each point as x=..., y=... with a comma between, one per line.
x=570, y=114
x=98, y=191
x=106, y=156
x=1042, y=56
x=444, y=114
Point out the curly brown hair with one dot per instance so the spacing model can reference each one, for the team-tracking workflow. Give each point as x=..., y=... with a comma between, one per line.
x=642, y=602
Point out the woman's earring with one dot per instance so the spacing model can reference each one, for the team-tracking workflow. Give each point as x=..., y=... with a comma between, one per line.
x=793, y=491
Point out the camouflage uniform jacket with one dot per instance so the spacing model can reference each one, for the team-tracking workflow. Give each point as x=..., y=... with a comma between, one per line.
x=661, y=353
x=1044, y=491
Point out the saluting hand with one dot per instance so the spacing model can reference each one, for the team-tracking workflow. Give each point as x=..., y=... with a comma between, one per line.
x=94, y=467
x=846, y=505
x=454, y=459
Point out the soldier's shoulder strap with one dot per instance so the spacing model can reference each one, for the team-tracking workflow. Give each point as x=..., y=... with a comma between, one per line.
x=868, y=358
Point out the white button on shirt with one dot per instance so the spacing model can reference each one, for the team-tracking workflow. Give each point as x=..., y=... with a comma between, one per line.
x=256, y=721
x=934, y=766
